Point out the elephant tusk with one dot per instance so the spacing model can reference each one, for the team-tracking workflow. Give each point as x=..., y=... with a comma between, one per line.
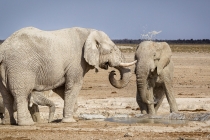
x=128, y=64
x=30, y=104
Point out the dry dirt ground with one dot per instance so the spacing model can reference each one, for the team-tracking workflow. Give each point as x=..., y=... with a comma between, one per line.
x=191, y=89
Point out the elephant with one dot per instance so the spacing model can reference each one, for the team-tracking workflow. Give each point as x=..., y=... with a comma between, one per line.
x=34, y=99
x=154, y=76
x=35, y=60
x=37, y=98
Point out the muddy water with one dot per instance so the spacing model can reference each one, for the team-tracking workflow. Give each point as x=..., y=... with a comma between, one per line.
x=145, y=120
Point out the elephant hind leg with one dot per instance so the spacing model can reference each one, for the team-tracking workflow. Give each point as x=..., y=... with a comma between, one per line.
x=23, y=115
x=170, y=97
x=8, y=100
x=1, y=116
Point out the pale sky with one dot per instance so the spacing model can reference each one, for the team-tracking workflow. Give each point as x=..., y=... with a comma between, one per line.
x=120, y=19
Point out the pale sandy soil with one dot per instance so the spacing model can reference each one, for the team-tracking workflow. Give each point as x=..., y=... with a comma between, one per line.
x=191, y=89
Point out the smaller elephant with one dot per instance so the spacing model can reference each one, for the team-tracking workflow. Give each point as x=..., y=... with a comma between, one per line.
x=34, y=99
x=154, y=76
x=37, y=98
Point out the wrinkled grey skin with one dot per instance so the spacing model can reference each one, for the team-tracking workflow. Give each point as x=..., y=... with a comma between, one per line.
x=154, y=76
x=35, y=99
x=36, y=60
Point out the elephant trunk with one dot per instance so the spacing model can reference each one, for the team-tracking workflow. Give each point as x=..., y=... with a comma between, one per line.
x=143, y=89
x=125, y=74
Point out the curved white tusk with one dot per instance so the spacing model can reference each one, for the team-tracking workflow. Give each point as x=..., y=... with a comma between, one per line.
x=128, y=64
x=30, y=104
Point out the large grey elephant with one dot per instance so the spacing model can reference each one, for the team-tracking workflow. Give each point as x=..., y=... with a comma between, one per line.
x=36, y=60
x=34, y=99
x=154, y=76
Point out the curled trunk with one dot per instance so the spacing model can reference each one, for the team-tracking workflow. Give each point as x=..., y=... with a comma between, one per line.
x=125, y=74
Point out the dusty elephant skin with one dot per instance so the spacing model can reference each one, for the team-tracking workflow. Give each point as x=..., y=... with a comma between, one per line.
x=36, y=60
x=154, y=76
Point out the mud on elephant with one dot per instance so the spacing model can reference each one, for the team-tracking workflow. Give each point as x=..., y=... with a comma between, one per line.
x=154, y=76
x=36, y=60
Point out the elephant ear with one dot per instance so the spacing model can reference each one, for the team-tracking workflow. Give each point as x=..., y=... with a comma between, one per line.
x=165, y=56
x=91, y=53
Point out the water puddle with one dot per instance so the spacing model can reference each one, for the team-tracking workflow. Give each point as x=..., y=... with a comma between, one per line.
x=172, y=118
x=145, y=120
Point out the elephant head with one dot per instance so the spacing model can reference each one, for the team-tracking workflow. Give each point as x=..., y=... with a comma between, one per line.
x=100, y=51
x=151, y=58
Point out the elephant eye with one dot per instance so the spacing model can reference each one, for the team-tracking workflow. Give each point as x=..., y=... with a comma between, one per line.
x=111, y=50
x=154, y=54
x=97, y=44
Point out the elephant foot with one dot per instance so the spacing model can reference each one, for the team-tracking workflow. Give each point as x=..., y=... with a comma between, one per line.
x=50, y=118
x=36, y=117
x=10, y=121
x=26, y=122
x=69, y=119
x=143, y=112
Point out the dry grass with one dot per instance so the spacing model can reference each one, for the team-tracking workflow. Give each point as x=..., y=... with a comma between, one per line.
x=200, y=48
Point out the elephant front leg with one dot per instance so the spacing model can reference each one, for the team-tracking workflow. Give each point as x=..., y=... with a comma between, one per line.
x=51, y=109
x=70, y=100
x=151, y=109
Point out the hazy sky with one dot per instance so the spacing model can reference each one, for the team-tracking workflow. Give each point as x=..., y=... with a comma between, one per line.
x=120, y=19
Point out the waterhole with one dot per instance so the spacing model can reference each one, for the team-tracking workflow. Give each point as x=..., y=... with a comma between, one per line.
x=145, y=120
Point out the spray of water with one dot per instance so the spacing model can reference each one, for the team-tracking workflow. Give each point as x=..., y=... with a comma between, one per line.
x=150, y=35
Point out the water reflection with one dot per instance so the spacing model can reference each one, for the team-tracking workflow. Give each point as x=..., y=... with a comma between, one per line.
x=145, y=120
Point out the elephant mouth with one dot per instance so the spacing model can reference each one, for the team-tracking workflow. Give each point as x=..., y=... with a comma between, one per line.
x=105, y=65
